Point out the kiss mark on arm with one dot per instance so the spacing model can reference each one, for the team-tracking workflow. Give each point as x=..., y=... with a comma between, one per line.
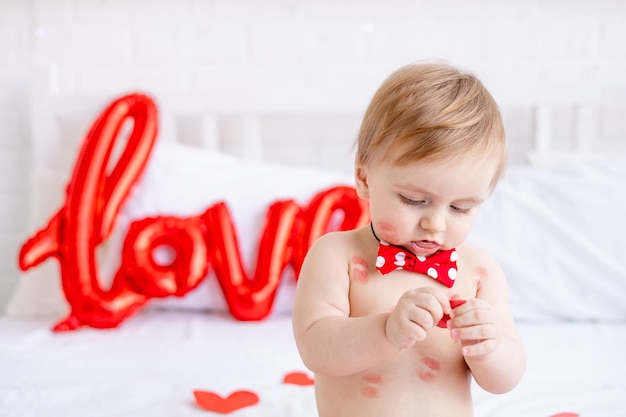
x=358, y=270
x=480, y=274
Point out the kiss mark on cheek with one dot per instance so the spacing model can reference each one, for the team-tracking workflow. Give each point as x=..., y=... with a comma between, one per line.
x=386, y=231
x=359, y=270
x=370, y=390
x=429, y=370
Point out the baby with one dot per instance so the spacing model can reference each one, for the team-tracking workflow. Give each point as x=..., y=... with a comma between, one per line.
x=385, y=341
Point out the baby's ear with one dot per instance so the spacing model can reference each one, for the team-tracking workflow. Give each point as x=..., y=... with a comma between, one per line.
x=360, y=176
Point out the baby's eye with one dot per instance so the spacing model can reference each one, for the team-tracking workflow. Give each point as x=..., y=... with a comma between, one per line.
x=411, y=201
x=462, y=210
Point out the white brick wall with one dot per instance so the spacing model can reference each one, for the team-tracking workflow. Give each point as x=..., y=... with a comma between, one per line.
x=323, y=54
x=14, y=136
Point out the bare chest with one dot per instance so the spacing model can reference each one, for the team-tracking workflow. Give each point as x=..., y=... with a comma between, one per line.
x=428, y=379
x=371, y=292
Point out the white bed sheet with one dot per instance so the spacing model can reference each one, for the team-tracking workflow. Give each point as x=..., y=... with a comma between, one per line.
x=151, y=365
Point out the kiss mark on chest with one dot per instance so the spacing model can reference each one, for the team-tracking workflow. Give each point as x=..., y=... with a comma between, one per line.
x=429, y=369
x=372, y=383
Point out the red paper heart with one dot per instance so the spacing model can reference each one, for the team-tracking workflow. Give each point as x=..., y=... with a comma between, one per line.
x=443, y=323
x=298, y=378
x=212, y=401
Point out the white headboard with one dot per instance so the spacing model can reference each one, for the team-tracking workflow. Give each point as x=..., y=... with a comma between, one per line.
x=577, y=132
x=315, y=135
x=289, y=136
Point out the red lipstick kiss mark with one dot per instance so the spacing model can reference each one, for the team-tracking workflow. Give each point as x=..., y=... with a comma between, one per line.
x=480, y=272
x=388, y=229
x=372, y=378
x=298, y=378
x=430, y=369
x=480, y=275
x=359, y=270
x=370, y=390
x=237, y=400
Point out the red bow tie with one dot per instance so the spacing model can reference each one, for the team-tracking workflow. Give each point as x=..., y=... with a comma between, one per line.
x=441, y=266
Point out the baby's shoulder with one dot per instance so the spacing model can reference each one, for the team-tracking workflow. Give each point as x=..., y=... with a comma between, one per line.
x=472, y=253
x=485, y=271
x=336, y=247
x=329, y=255
x=479, y=262
x=340, y=241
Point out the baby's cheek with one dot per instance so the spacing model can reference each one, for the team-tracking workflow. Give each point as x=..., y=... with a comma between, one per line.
x=359, y=270
x=387, y=231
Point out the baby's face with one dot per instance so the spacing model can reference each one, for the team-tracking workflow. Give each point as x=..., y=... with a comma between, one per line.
x=429, y=205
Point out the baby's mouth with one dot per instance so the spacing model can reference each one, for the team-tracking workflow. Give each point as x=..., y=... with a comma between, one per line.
x=424, y=247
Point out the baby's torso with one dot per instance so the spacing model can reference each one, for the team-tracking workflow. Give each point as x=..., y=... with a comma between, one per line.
x=429, y=379
x=419, y=382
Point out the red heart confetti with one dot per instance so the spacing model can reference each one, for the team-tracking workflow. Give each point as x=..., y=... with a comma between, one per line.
x=566, y=415
x=443, y=323
x=237, y=400
x=298, y=378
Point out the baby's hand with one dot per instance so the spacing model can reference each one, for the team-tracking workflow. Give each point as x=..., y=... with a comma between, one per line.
x=415, y=314
x=454, y=303
x=476, y=325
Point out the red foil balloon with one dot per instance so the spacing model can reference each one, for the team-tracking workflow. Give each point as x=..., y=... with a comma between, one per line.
x=94, y=198
x=185, y=241
x=88, y=216
x=337, y=208
x=251, y=298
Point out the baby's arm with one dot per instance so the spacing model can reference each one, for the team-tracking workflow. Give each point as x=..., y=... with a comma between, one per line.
x=485, y=327
x=331, y=342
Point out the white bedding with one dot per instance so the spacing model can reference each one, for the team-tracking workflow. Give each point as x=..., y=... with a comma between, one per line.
x=558, y=233
x=151, y=365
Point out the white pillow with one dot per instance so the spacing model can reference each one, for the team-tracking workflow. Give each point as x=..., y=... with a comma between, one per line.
x=182, y=180
x=559, y=236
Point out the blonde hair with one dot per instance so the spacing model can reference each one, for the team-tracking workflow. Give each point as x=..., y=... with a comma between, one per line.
x=428, y=112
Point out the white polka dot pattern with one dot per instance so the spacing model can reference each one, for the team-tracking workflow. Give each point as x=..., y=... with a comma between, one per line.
x=441, y=266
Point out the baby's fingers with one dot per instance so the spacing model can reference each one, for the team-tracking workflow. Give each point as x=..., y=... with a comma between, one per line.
x=476, y=333
x=437, y=301
x=472, y=313
x=479, y=348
